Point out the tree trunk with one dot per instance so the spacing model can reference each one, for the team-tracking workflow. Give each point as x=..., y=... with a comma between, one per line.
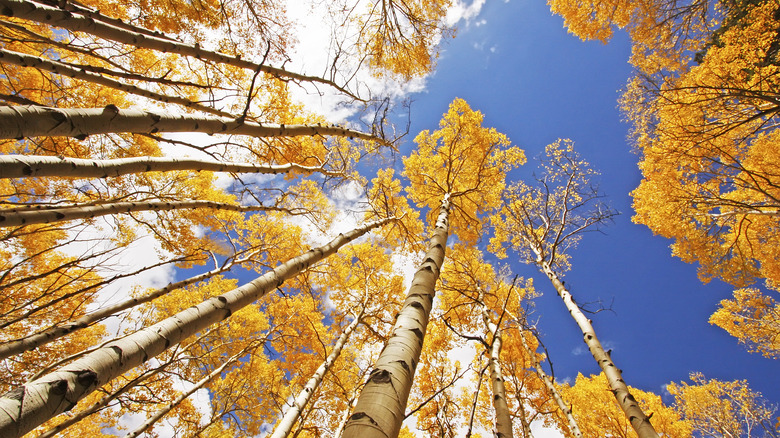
x=36, y=214
x=25, y=60
x=573, y=427
x=285, y=425
x=23, y=121
x=23, y=166
x=183, y=396
x=100, y=404
x=380, y=409
x=25, y=407
x=503, y=419
x=639, y=421
x=30, y=342
x=141, y=38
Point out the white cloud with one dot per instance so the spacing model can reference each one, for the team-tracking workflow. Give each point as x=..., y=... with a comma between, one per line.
x=540, y=431
x=461, y=11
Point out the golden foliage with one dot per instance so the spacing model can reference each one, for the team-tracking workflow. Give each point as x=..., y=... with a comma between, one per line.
x=753, y=318
x=464, y=160
x=603, y=416
x=721, y=408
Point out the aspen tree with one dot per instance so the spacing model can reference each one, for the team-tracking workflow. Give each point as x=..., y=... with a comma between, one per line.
x=503, y=419
x=597, y=412
x=458, y=168
x=574, y=428
x=541, y=223
x=58, y=391
x=713, y=407
x=753, y=318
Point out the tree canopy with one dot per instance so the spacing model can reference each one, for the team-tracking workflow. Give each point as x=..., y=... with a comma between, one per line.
x=324, y=275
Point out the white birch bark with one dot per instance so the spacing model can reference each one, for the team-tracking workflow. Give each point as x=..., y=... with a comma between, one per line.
x=503, y=419
x=30, y=342
x=21, y=166
x=44, y=215
x=74, y=22
x=640, y=422
x=285, y=425
x=381, y=405
x=24, y=60
x=574, y=428
x=27, y=406
x=23, y=121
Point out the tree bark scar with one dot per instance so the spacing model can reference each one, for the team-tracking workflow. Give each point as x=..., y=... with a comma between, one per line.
x=380, y=376
x=360, y=415
x=15, y=394
x=118, y=352
x=417, y=332
x=59, y=387
x=86, y=378
x=404, y=365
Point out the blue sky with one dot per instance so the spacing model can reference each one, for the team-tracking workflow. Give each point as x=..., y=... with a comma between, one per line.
x=535, y=83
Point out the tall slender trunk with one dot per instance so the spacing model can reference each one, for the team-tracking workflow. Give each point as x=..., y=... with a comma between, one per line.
x=285, y=425
x=503, y=419
x=639, y=421
x=53, y=333
x=22, y=121
x=25, y=60
x=183, y=396
x=474, y=403
x=344, y=418
x=381, y=406
x=23, y=166
x=25, y=407
x=524, y=424
x=141, y=38
x=574, y=428
x=36, y=214
x=100, y=404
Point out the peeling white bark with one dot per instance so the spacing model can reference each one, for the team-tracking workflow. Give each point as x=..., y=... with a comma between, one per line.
x=44, y=215
x=22, y=166
x=29, y=405
x=22, y=121
x=285, y=425
x=381, y=406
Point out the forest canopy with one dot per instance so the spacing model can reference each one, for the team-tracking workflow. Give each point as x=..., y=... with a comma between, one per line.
x=209, y=228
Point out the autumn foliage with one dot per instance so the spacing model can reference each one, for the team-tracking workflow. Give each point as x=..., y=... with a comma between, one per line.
x=142, y=140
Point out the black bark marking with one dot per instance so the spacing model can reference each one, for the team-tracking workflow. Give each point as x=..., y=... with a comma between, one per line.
x=60, y=387
x=417, y=332
x=359, y=415
x=417, y=305
x=15, y=394
x=404, y=365
x=380, y=377
x=86, y=378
